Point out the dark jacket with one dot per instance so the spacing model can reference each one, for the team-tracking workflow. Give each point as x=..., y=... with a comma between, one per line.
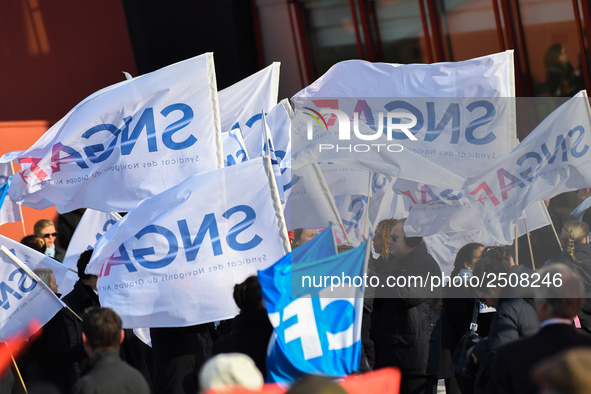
x=56, y=355
x=81, y=298
x=60, y=254
x=408, y=324
x=106, y=373
x=179, y=353
x=250, y=335
x=514, y=363
x=515, y=318
x=583, y=269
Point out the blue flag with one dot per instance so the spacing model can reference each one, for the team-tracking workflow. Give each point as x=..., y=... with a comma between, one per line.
x=321, y=246
x=315, y=335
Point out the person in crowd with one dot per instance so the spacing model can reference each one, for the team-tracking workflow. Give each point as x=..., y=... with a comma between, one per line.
x=556, y=307
x=561, y=76
x=515, y=317
x=582, y=211
x=302, y=235
x=55, y=357
x=84, y=294
x=566, y=373
x=456, y=316
x=376, y=267
x=104, y=372
x=34, y=242
x=178, y=355
x=46, y=229
x=408, y=325
x=251, y=329
x=226, y=371
x=576, y=254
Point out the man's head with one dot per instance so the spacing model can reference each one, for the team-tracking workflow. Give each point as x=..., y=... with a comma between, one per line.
x=565, y=295
x=89, y=280
x=400, y=245
x=101, y=330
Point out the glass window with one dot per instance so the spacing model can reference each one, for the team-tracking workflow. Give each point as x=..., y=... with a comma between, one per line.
x=330, y=33
x=470, y=29
x=401, y=31
x=550, y=34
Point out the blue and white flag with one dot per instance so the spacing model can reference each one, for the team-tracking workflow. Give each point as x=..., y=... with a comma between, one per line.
x=552, y=159
x=325, y=336
x=321, y=246
x=91, y=228
x=241, y=104
x=9, y=211
x=173, y=260
x=22, y=299
x=126, y=142
x=33, y=259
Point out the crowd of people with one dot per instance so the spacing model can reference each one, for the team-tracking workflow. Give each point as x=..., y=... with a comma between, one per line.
x=527, y=340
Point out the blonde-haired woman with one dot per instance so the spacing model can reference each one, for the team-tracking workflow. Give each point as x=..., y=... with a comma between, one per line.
x=576, y=253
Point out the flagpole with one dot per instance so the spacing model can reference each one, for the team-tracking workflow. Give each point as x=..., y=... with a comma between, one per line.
x=531, y=252
x=34, y=276
x=20, y=208
x=276, y=202
x=368, y=197
x=556, y=235
x=15, y=368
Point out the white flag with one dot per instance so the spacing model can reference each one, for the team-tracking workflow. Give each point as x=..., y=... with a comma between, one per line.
x=33, y=259
x=91, y=228
x=552, y=159
x=174, y=260
x=464, y=112
x=9, y=211
x=126, y=142
x=309, y=203
x=241, y=104
x=22, y=299
x=234, y=148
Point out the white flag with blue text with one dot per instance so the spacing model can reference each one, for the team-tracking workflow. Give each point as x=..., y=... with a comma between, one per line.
x=22, y=299
x=32, y=258
x=241, y=104
x=174, y=260
x=9, y=211
x=234, y=147
x=308, y=202
x=91, y=228
x=552, y=159
x=126, y=142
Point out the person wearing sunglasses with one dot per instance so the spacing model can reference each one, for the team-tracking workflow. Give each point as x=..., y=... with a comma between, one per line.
x=45, y=229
